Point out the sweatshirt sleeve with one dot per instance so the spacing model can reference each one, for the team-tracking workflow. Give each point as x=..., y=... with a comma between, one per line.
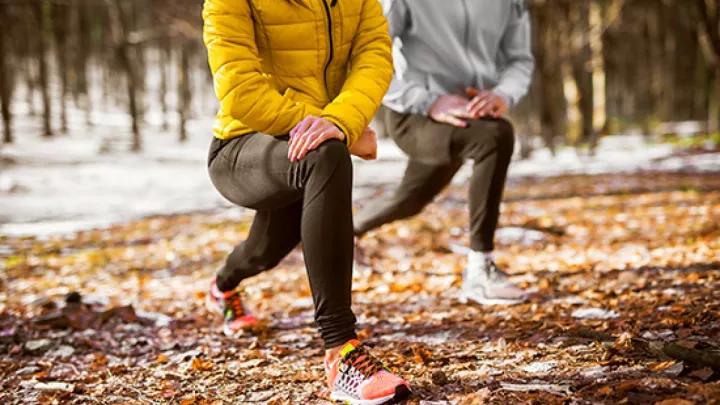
x=403, y=96
x=516, y=48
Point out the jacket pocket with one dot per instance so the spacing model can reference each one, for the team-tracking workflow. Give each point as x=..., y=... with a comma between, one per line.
x=292, y=95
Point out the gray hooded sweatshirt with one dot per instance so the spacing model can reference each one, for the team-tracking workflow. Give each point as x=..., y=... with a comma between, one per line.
x=446, y=46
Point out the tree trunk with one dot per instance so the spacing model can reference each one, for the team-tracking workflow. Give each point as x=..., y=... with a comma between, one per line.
x=581, y=72
x=42, y=26
x=82, y=57
x=126, y=61
x=165, y=58
x=711, y=27
x=29, y=73
x=184, y=92
x=552, y=100
x=714, y=104
x=59, y=27
x=5, y=80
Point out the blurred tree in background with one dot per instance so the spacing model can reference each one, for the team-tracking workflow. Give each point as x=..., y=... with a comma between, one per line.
x=603, y=65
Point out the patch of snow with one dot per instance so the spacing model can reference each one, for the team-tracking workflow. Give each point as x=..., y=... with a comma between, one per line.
x=62, y=352
x=516, y=235
x=594, y=372
x=63, y=184
x=594, y=313
x=570, y=299
x=482, y=372
x=551, y=388
x=665, y=335
x=432, y=340
x=539, y=367
x=39, y=344
x=160, y=320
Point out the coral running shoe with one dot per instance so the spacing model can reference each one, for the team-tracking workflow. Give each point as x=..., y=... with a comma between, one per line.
x=357, y=378
x=229, y=305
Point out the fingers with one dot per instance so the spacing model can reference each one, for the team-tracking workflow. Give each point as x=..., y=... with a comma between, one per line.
x=293, y=147
x=452, y=120
x=304, y=144
x=501, y=109
x=299, y=135
x=487, y=109
x=472, y=92
x=478, y=103
x=295, y=135
x=499, y=112
x=460, y=112
x=368, y=132
x=318, y=140
x=302, y=126
x=301, y=144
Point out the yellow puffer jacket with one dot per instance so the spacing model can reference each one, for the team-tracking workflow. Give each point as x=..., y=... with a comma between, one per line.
x=275, y=62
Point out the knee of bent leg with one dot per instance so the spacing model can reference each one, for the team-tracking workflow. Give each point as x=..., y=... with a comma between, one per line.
x=333, y=155
x=414, y=205
x=505, y=131
x=505, y=136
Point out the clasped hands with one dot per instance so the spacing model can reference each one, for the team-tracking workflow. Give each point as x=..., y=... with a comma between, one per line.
x=455, y=109
x=311, y=132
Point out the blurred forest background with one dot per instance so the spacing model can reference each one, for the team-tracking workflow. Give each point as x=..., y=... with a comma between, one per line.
x=603, y=66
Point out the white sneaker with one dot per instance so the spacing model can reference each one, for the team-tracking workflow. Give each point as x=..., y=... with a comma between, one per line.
x=486, y=284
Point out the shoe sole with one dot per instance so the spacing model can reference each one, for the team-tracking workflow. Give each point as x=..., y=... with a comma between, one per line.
x=464, y=299
x=213, y=307
x=338, y=397
x=402, y=392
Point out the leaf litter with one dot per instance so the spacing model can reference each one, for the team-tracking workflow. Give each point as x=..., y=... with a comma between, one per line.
x=118, y=314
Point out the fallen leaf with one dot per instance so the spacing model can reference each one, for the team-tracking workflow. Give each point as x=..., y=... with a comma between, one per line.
x=474, y=398
x=623, y=342
x=627, y=385
x=659, y=366
x=675, y=401
x=161, y=358
x=188, y=401
x=100, y=360
x=199, y=364
x=421, y=355
x=703, y=374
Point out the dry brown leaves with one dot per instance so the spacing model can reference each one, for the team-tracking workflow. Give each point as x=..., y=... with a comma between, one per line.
x=632, y=256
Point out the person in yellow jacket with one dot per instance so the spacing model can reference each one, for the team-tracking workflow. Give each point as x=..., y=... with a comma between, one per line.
x=298, y=82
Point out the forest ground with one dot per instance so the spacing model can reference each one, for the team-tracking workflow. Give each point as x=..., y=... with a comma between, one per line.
x=620, y=265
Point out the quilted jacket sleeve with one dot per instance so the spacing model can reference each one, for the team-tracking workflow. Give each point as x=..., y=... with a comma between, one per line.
x=371, y=70
x=244, y=92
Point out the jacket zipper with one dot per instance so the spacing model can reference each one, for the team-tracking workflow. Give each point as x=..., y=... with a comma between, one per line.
x=466, y=9
x=330, y=57
x=467, y=24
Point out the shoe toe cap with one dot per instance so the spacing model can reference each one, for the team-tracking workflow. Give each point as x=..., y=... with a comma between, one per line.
x=384, y=384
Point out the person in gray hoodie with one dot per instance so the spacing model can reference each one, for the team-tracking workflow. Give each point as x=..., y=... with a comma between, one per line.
x=461, y=65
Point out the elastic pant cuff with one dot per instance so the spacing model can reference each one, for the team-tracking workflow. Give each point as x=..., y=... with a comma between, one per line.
x=479, y=245
x=338, y=329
